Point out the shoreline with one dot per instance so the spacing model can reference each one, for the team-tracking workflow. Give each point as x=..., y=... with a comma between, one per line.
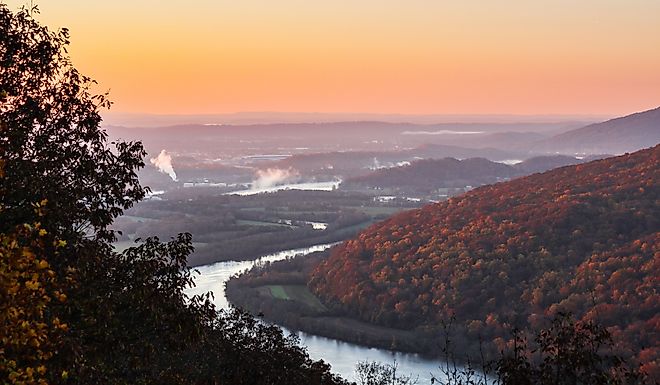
x=277, y=292
x=346, y=329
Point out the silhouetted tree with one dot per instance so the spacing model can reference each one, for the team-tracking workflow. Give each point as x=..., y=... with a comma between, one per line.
x=376, y=373
x=73, y=310
x=566, y=353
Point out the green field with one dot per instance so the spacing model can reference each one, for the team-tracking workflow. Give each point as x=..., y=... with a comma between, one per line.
x=278, y=292
x=299, y=293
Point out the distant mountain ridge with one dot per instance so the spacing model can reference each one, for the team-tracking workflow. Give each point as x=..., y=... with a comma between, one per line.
x=615, y=136
x=427, y=175
x=269, y=117
x=348, y=164
x=344, y=135
x=583, y=239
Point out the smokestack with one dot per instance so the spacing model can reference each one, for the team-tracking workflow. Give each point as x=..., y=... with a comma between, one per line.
x=164, y=164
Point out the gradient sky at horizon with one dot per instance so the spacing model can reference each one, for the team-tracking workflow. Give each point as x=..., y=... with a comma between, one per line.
x=387, y=56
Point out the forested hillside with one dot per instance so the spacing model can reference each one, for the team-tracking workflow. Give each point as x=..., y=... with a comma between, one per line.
x=582, y=239
x=428, y=175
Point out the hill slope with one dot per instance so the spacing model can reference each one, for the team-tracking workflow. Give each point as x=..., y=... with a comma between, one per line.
x=616, y=136
x=427, y=175
x=581, y=238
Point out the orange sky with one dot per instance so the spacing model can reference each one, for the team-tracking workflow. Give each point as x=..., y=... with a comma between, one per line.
x=387, y=56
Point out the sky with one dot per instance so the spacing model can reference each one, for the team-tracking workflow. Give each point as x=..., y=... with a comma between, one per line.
x=366, y=56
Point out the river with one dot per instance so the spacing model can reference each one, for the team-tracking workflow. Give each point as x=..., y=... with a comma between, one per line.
x=341, y=355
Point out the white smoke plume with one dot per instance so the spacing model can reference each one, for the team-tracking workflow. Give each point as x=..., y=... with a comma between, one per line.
x=164, y=163
x=273, y=177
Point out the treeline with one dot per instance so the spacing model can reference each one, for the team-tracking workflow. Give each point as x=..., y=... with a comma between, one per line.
x=582, y=239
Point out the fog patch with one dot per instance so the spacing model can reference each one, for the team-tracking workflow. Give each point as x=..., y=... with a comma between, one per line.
x=274, y=176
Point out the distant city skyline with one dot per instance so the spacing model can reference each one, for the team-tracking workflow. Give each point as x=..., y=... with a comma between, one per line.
x=597, y=57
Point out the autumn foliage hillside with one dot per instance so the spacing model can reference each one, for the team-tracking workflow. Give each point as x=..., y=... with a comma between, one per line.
x=582, y=239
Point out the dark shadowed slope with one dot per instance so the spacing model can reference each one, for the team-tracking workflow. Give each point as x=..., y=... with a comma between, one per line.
x=580, y=238
x=616, y=136
x=429, y=174
x=545, y=163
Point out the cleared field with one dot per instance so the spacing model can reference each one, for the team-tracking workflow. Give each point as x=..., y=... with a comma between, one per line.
x=299, y=293
x=278, y=292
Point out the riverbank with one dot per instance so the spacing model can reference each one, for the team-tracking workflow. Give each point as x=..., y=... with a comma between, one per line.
x=310, y=238
x=241, y=228
x=278, y=292
x=343, y=356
